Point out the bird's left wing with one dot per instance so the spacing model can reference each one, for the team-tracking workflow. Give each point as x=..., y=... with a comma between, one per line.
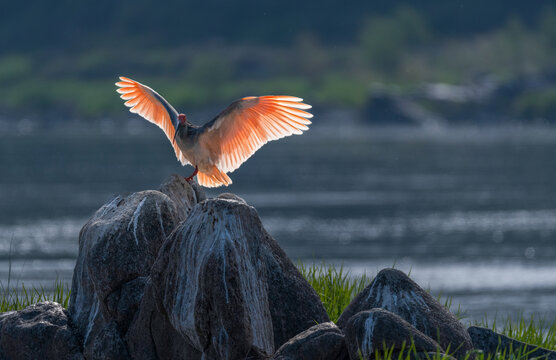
x=247, y=124
x=150, y=105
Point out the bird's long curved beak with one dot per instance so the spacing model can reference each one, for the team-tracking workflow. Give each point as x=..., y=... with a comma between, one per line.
x=176, y=133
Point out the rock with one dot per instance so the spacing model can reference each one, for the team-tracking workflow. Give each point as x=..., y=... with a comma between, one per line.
x=104, y=340
x=229, y=196
x=394, y=291
x=123, y=303
x=184, y=194
x=117, y=248
x=379, y=330
x=388, y=107
x=227, y=287
x=482, y=100
x=38, y=331
x=491, y=343
x=151, y=335
x=384, y=108
x=323, y=341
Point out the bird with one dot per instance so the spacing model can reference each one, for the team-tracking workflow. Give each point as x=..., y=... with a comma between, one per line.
x=222, y=144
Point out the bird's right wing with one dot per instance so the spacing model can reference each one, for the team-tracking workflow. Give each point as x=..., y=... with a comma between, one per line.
x=150, y=105
x=249, y=123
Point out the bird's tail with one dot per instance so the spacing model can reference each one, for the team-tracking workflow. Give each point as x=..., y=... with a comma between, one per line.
x=214, y=178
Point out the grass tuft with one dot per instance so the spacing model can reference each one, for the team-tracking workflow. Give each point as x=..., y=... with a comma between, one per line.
x=335, y=286
x=12, y=299
x=535, y=330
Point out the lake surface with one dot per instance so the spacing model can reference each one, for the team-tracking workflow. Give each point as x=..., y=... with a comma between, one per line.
x=470, y=212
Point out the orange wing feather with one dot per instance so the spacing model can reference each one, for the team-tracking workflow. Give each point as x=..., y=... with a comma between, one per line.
x=246, y=125
x=144, y=101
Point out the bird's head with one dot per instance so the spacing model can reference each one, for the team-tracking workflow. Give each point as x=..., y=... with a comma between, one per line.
x=182, y=122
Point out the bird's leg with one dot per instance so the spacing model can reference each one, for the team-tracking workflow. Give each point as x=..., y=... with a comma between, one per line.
x=189, y=178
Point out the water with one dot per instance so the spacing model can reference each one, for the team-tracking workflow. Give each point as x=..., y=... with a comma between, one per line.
x=470, y=212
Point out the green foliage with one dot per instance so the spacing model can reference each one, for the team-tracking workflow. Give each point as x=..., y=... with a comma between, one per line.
x=535, y=331
x=407, y=352
x=448, y=304
x=334, y=285
x=311, y=58
x=209, y=68
x=399, y=46
x=548, y=27
x=336, y=89
x=73, y=96
x=538, y=104
x=13, y=67
x=16, y=298
x=19, y=298
x=36, y=25
x=385, y=40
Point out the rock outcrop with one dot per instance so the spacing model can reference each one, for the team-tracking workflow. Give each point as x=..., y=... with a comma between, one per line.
x=170, y=274
x=117, y=248
x=152, y=336
x=380, y=331
x=40, y=331
x=227, y=287
x=491, y=343
x=394, y=291
x=323, y=341
x=484, y=100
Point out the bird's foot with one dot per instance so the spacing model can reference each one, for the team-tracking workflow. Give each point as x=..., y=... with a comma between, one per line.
x=189, y=178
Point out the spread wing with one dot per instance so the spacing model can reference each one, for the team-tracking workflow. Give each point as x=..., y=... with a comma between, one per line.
x=247, y=124
x=150, y=105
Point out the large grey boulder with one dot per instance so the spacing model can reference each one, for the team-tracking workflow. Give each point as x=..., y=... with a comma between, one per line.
x=378, y=330
x=151, y=335
x=227, y=287
x=117, y=248
x=169, y=275
x=394, y=291
x=491, y=343
x=40, y=331
x=323, y=341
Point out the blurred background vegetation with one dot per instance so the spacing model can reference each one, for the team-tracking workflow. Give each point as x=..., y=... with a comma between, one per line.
x=59, y=59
